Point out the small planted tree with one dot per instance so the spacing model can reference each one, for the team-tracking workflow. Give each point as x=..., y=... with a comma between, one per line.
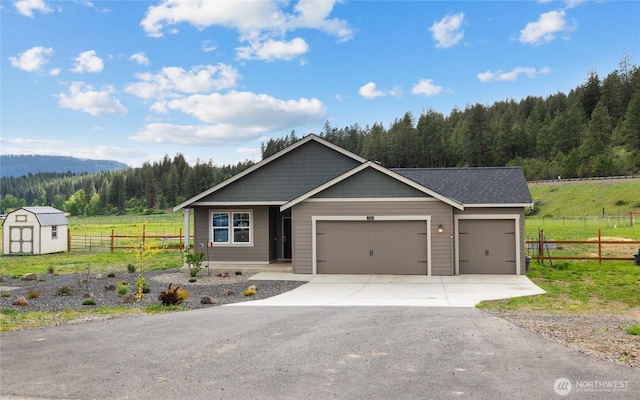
x=194, y=260
x=143, y=251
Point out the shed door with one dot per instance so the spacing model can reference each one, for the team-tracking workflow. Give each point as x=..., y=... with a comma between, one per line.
x=487, y=246
x=21, y=240
x=372, y=247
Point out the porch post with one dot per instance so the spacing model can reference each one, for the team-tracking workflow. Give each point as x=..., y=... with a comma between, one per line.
x=186, y=232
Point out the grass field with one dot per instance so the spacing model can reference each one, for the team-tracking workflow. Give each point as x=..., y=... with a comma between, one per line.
x=587, y=198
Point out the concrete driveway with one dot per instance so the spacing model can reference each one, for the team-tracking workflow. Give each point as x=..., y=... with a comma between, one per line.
x=396, y=290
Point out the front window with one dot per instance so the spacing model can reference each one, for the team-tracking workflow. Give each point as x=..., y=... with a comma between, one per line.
x=54, y=232
x=231, y=227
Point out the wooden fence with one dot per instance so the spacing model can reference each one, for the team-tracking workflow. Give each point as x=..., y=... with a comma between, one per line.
x=542, y=245
x=101, y=243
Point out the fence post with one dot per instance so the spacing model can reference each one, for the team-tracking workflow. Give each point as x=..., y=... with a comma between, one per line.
x=144, y=234
x=111, y=247
x=541, y=246
x=180, y=236
x=68, y=240
x=631, y=218
x=599, y=248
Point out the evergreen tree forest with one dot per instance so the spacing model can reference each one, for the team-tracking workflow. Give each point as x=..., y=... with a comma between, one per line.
x=594, y=130
x=158, y=185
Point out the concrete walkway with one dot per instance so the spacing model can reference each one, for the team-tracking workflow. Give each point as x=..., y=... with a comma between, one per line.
x=395, y=290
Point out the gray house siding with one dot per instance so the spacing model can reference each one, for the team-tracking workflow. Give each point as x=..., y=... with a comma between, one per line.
x=259, y=252
x=370, y=183
x=440, y=213
x=481, y=211
x=287, y=177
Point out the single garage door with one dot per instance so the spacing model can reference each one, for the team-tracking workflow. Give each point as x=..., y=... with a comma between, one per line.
x=487, y=246
x=372, y=247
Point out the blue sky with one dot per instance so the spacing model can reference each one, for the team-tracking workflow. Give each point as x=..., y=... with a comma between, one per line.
x=134, y=81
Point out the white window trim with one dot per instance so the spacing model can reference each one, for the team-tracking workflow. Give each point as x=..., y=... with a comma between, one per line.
x=230, y=243
x=54, y=231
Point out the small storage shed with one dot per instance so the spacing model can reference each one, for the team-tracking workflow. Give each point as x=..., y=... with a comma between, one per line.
x=35, y=230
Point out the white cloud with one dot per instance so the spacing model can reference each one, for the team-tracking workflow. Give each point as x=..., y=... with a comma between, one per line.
x=82, y=97
x=250, y=109
x=545, y=28
x=427, y=88
x=27, y=7
x=33, y=59
x=369, y=91
x=512, y=75
x=262, y=24
x=232, y=117
x=171, y=81
x=271, y=50
x=208, y=46
x=250, y=152
x=88, y=61
x=446, y=32
x=140, y=58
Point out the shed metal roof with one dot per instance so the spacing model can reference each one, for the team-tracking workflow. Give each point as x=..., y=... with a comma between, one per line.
x=48, y=216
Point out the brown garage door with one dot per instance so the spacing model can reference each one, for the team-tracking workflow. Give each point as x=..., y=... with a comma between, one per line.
x=487, y=246
x=372, y=247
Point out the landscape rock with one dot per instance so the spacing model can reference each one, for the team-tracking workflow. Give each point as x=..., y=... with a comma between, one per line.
x=29, y=277
x=99, y=276
x=128, y=298
x=238, y=272
x=20, y=301
x=208, y=300
x=88, y=296
x=228, y=292
x=110, y=286
x=253, y=287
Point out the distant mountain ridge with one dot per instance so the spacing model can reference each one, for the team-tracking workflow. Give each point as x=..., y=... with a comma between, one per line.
x=19, y=165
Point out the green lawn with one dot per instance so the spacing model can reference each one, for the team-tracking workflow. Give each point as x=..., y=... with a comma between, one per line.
x=580, y=287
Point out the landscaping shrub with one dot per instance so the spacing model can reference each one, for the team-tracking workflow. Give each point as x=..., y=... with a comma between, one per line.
x=632, y=329
x=131, y=268
x=64, y=290
x=173, y=295
x=34, y=293
x=89, y=302
x=122, y=289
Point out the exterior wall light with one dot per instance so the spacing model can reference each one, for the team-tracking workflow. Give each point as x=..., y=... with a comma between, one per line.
x=440, y=228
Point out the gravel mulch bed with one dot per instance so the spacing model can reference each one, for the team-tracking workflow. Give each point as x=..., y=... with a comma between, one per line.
x=225, y=290
x=600, y=336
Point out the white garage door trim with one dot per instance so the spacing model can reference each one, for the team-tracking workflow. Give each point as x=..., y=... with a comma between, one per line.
x=514, y=217
x=315, y=219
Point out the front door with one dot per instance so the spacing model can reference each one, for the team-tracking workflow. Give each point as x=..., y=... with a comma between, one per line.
x=286, y=238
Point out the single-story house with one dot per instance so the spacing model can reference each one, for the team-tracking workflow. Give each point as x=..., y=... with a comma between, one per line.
x=35, y=230
x=328, y=210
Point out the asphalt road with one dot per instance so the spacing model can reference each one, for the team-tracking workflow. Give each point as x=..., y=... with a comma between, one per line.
x=302, y=352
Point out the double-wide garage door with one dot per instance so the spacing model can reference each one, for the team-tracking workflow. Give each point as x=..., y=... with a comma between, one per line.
x=487, y=246
x=371, y=247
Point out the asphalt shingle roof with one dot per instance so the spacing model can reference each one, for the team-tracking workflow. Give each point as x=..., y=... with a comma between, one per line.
x=500, y=185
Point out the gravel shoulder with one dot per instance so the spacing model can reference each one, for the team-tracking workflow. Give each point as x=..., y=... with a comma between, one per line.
x=600, y=336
